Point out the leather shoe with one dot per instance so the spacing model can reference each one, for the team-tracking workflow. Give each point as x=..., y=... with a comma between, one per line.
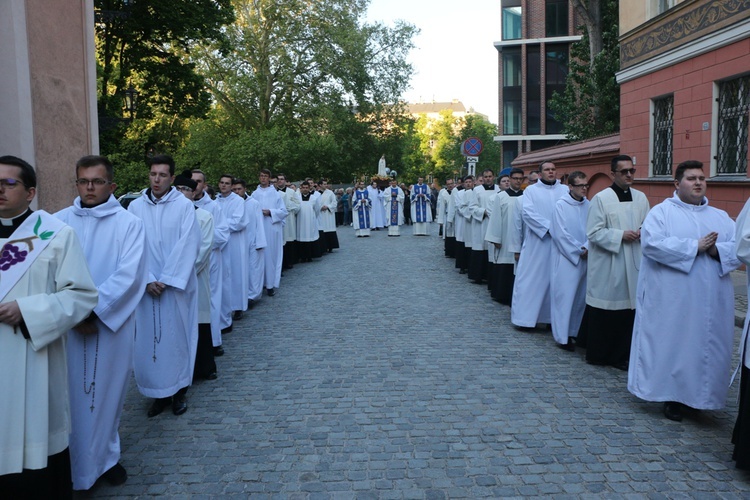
x=116, y=475
x=237, y=315
x=226, y=330
x=212, y=376
x=673, y=411
x=218, y=351
x=179, y=404
x=270, y=292
x=571, y=347
x=157, y=406
x=250, y=304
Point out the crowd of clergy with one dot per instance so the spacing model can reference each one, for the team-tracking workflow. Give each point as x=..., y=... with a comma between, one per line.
x=96, y=291
x=391, y=207
x=645, y=290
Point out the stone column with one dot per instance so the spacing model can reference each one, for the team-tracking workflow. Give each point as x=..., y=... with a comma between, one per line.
x=48, y=91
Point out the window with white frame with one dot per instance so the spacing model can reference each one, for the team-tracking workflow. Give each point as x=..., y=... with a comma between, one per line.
x=662, y=129
x=732, y=120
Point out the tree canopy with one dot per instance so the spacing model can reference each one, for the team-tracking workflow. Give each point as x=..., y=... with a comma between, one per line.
x=590, y=104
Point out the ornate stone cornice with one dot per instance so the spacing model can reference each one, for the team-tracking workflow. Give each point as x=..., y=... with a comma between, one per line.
x=680, y=26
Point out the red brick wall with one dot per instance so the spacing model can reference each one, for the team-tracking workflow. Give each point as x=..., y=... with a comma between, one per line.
x=691, y=82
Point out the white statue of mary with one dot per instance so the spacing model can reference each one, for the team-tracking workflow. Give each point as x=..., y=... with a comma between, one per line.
x=381, y=166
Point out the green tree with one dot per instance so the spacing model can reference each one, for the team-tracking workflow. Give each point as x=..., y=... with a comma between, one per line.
x=144, y=45
x=314, y=78
x=590, y=104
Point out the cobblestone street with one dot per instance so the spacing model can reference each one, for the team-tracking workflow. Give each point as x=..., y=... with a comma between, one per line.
x=380, y=372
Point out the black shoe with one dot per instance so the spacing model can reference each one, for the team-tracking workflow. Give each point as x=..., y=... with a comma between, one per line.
x=571, y=347
x=211, y=376
x=237, y=315
x=673, y=411
x=270, y=292
x=157, y=406
x=226, y=330
x=179, y=404
x=116, y=475
x=218, y=351
x=622, y=366
x=462, y=271
x=250, y=304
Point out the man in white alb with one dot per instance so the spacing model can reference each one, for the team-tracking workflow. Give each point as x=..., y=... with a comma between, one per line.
x=274, y=214
x=100, y=348
x=166, y=318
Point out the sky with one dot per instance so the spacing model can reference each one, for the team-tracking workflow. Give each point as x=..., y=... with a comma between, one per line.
x=454, y=56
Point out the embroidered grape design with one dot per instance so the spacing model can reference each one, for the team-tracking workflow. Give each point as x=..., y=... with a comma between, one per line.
x=11, y=255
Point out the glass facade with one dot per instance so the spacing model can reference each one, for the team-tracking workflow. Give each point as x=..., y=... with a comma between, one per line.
x=556, y=70
x=511, y=23
x=533, y=90
x=512, y=103
x=556, y=18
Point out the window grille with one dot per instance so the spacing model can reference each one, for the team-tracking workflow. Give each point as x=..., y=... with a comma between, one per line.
x=663, y=130
x=734, y=105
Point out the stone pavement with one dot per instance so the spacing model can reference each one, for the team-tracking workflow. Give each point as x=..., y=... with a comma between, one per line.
x=380, y=372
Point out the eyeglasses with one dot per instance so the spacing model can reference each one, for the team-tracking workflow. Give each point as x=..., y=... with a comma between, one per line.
x=10, y=183
x=185, y=189
x=626, y=171
x=533, y=181
x=579, y=185
x=96, y=182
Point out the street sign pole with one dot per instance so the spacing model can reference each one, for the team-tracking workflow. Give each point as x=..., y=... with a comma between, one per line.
x=472, y=164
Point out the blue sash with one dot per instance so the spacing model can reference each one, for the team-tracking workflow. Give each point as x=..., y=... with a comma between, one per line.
x=420, y=203
x=363, y=214
x=394, y=206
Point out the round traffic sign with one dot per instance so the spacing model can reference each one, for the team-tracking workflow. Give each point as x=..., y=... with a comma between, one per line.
x=472, y=146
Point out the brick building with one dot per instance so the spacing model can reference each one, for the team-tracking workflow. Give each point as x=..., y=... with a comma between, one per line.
x=684, y=95
x=533, y=63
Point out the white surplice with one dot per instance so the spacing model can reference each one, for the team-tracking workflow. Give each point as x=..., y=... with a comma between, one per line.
x=327, y=218
x=421, y=210
x=612, y=274
x=270, y=199
x=54, y=294
x=377, y=212
x=684, y=315
x=480, y=211
x=568, y=281
x=216, y=266
x=531, y=297
x=463, y=202
x=100, y=364
x=742, y=248
x=291, y=202
x=307, y=227
x=393, y=200
x=453, y=219
x=444, y=198
x=166, y=337
x=202, y=262
x=361, y=212
x=500, y=228
x=256, y=236
x=235, y=257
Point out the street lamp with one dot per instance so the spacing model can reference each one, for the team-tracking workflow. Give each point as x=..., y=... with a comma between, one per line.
x=131, y=101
